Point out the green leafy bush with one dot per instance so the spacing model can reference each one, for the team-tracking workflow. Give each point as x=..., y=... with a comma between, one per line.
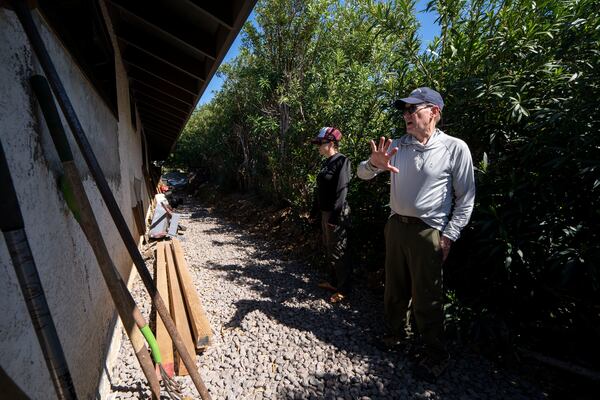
x=520, y=80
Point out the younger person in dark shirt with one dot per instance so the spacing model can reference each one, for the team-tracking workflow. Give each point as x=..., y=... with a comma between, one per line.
x=330, y=201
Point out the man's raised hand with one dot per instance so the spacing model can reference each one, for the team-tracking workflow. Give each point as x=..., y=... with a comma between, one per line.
x=380, y=157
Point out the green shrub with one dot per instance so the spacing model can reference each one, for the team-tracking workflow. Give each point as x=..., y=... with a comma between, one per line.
x=520, y=80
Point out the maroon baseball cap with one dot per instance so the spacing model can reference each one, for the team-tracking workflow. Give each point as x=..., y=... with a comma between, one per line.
x=327, y=134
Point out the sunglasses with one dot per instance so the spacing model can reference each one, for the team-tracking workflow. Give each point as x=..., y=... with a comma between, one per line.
x=413, y=108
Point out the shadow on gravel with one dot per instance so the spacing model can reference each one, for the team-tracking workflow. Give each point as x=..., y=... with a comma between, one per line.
x=286, y=285
x=290, y=296
x=130, y=391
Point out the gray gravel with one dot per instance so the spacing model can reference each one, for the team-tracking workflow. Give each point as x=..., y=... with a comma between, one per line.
x=277, y=337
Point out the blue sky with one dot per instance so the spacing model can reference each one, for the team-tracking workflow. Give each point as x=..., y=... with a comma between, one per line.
x=429, y=29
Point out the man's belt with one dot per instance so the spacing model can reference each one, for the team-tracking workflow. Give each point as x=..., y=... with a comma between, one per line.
x=408, y=220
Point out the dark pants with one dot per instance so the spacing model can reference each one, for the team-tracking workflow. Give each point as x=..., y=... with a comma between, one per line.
x=335, y=242
x=413, y=270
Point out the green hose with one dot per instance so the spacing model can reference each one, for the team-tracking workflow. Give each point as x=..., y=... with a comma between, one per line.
x=152, y=343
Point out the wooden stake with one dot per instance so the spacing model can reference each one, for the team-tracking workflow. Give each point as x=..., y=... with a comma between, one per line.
x=200, y=325
x=162, y=336
x=178, y=312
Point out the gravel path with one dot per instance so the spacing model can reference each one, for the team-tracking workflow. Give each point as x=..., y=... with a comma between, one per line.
x=277, y=337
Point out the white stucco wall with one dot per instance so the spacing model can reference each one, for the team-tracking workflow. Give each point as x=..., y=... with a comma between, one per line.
x=79, y=301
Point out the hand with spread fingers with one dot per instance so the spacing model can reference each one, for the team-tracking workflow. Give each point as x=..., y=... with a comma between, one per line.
x=380, y=156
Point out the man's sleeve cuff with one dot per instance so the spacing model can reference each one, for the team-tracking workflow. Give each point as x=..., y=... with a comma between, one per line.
x=370, y=166
x=450, y=235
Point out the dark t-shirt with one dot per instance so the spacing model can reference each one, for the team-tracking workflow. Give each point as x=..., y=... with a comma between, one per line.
x=332, y=185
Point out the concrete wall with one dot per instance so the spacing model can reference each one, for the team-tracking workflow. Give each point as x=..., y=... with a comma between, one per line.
x=78, y=298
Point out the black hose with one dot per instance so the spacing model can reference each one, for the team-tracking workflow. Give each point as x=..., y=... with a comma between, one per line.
x=13, y=228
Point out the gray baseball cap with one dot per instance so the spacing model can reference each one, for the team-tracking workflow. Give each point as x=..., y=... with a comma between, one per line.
x=421, y=95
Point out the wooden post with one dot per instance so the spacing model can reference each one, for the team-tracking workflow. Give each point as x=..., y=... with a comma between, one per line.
x=178, y=311
x=198, y=320
x=162, y=336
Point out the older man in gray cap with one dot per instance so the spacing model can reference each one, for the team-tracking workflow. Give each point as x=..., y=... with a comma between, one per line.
x=431, y=199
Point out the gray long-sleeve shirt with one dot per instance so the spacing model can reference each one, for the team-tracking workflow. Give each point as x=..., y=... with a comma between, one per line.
x=435, y=182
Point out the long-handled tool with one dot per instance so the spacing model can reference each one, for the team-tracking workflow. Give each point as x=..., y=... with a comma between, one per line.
x=13, y=228
x=82, y=210
x=9, y=388
x=24, y=15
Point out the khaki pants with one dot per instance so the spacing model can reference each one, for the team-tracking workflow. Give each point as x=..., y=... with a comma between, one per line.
x=413, y=270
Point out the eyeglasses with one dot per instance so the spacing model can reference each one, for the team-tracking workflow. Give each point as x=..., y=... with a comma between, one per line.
x=413, y=108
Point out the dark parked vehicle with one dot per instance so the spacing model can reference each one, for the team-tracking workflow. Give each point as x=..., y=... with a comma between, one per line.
x=175, y=179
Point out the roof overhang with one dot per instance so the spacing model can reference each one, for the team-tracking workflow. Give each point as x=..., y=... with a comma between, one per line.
x=171, y=49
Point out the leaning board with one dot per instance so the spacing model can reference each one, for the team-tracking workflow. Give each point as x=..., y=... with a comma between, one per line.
x=162, y=336
x=178, y=312
x=198, y=320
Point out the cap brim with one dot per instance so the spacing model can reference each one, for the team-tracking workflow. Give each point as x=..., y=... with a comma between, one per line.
x=399, y=104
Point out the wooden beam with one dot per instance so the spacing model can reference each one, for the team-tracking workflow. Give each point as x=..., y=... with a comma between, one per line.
x=158, y=134
x=157, y=131
x=142, y=74
x=165, y=93
x=164, y=87
x=198, y=320
x=162, y=336
x=162, y=84
x=168, y=133
x=146, y=104
x=154, y=133
x=160, y=145
x=159, y=116
x=147, y=99
x=215, y=13
x=167, y=129
x=161, y=50
x=178, y=311
x=162, y=21
x=162, y=69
